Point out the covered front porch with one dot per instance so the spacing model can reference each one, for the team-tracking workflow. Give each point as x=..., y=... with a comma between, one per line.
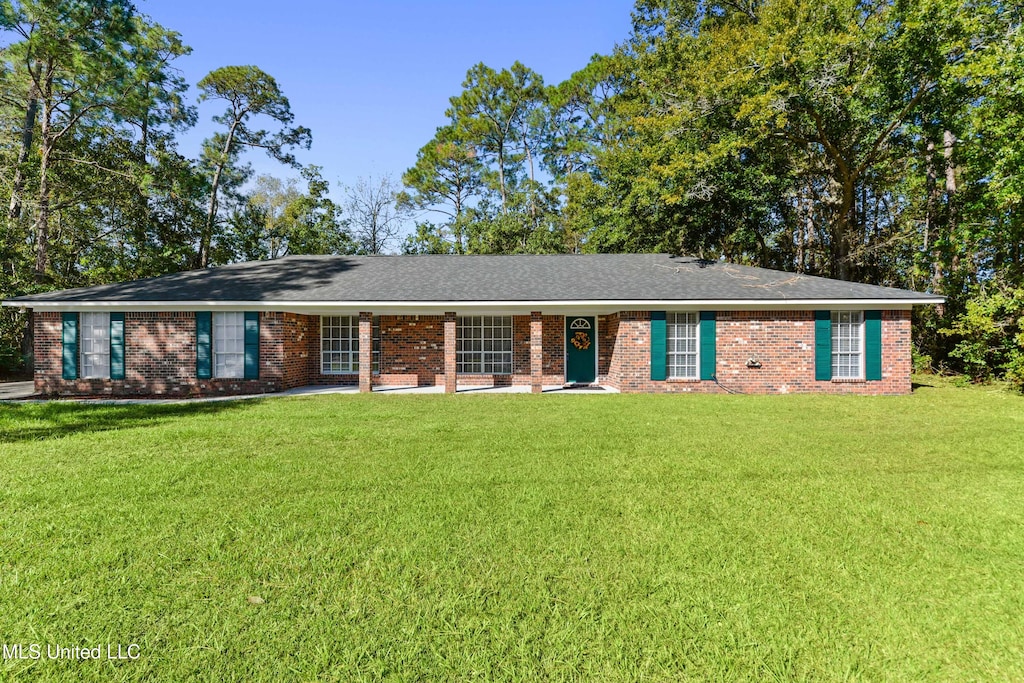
x=456, y=352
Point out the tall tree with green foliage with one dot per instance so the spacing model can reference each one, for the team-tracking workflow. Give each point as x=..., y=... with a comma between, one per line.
x=484, y=167
x=495, y=114
x=86, y=69
x=789, y=125
x=579, y=124
x=446, y=177
x=279, y=219
x=249, y=92
x=93, y=103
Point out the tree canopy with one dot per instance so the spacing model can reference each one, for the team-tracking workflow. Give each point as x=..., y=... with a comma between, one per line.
x=870, y=140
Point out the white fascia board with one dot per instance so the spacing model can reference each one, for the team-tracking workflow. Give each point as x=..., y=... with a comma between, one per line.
x=439, y=307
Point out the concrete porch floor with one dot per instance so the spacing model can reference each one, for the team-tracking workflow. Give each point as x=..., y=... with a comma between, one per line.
x=460, y=389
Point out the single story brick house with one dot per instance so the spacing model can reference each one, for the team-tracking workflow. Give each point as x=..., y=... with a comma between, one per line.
x=632, y=322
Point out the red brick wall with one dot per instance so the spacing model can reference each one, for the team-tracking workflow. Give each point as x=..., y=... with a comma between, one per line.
x=301, y=340
x=160, y=355
x=554, y=349
x=47, y=351
x=411, y=350
x=629, y=366
x=782, y=341
x=160, y=358
x=607, y=332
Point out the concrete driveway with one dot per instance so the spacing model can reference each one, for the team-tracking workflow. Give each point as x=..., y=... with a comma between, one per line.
x=16, y=390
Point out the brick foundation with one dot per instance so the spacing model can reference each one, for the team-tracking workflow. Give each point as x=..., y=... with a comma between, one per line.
x=160, y=355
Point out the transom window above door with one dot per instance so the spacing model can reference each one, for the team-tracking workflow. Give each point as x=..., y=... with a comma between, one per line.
x=579, y=324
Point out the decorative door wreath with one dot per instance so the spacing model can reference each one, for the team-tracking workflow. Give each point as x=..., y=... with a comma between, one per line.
x=581, y=340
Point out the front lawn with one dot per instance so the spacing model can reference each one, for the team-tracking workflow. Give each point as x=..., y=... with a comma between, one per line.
x=516, y=537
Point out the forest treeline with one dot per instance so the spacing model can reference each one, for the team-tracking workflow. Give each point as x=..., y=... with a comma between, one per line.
x=875, y=141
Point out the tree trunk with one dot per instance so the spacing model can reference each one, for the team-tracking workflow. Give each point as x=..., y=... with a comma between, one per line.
x=932, y=247
x=27, y=129
x=847, y=220
x=211, y=213
x=529, y=158
x=457, y=226
x=43, y=216
x=501, y=178
x=810, y=236
x=144, y=127
x=42, y=228
x=800, y=234
x=948, y=142
x=867, y=236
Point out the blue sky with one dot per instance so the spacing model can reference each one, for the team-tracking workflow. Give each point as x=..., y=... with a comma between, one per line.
x=372, y=79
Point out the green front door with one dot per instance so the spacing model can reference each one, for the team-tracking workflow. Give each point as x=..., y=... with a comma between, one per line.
x=580, y=349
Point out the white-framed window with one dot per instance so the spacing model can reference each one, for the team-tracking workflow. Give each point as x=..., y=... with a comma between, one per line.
x=484, y=345
x=848, y=344
x=95, y=345
x=681, y=342
x=339, y=344
x=229, y=344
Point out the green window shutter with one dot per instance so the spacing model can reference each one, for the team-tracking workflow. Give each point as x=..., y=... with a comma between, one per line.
x=69, y=337
x=204, y=326
x=117, y=346
x=707, y=344
x=823, y=345
x=252, y=345
x=658, y=371
x=872, y=345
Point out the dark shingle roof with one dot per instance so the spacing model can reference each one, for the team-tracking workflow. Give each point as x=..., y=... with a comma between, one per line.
x=587, y=277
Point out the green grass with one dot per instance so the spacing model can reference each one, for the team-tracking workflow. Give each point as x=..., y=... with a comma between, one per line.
x=514, y=537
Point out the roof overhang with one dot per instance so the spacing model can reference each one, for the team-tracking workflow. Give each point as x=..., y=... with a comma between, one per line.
x=495, y=307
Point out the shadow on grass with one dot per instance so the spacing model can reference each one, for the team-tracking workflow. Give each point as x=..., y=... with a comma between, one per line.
x=914, y=386
x=41, y=421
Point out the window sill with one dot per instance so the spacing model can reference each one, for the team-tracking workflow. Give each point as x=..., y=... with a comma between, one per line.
x=683, y=380
x=340, y=373
x=849, y=380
